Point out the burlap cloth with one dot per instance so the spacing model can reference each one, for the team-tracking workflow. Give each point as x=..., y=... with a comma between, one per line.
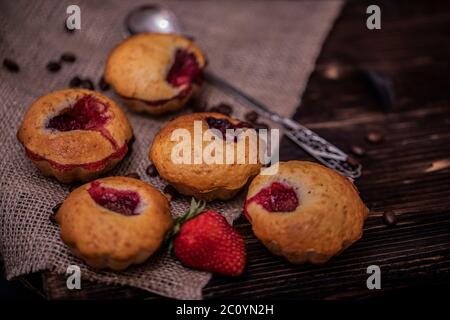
x=267, y=49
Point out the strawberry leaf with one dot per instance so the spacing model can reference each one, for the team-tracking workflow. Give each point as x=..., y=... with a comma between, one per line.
x=195, y=209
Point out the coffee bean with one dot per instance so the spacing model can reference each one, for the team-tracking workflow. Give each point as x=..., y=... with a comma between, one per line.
x=75, y=82
x=151, y=171
x=374, y=137
x=134, y=175
x=390, y=218
x=68, y=57
x=223, y=108
x=87, y=84
x=170, y=192
x=11, y=65
x=358, y=151
x=103, y=85
x=199, y=106
x=251, y=116
x=53, y=66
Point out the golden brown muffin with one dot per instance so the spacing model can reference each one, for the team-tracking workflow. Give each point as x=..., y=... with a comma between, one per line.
x=114, y=222
x=306, y=212
x=75, y=134
x=155, y=73
x=205, y=181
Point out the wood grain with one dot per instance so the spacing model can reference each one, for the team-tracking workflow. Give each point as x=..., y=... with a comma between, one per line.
x=406, y=173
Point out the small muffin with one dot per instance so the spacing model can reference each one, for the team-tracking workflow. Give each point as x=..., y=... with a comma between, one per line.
x=306, y=212
x=194, y=167
x=114, y=222
x=155, y=73
x=75, y=134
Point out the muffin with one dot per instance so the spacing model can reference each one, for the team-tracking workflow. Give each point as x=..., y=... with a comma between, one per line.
x=75, y=134
x=155, y=73
x=114, y=222
x=196, y=173
x=306, y=212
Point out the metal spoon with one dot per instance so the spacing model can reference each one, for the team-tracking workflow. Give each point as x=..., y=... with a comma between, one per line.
x=152, y=18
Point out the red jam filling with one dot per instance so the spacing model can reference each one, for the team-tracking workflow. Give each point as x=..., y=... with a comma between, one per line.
x=223, y=124
x=277, y=197
x=185, y=69
x=120, y=201
x=88, y=113
x=184, y=72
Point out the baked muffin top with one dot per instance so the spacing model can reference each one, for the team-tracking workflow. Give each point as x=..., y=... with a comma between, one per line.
x=154, y=67
x=201, y=177
x=306, y=211
x=74, y=126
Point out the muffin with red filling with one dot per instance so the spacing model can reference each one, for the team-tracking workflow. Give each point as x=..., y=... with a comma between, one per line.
x=75, y=134
x=155, y=73
x=210, y=168
x=114, y=222
x=306, y=212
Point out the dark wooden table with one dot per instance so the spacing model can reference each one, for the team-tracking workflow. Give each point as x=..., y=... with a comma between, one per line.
x=408, y=173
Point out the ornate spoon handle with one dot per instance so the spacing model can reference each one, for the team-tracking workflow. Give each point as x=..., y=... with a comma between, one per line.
x=309, y=141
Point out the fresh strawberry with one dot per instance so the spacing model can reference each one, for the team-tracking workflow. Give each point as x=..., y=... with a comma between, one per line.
x=203, y=239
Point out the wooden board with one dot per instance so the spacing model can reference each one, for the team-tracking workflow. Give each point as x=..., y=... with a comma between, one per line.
x=412, y=50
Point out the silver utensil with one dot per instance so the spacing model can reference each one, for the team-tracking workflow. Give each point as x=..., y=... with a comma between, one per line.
x=152, y=18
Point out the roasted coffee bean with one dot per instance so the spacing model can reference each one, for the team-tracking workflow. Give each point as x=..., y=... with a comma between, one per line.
x=390, y=218
x=68, y=57
x=170, y=192
x=87, y=84
x=374, y=137
x=251, y=116
x=134, y=175
x=11, y=65
x=75, y=82
x=151, y=171
x=198, y=106
x=358, y=151
x=223, y=108
x=103, y=85
x=53, y=66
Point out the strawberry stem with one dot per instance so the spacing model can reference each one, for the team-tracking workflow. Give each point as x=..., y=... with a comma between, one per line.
x=193, y=211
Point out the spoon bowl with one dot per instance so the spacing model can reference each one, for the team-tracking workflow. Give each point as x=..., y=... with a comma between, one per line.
x=152, y=18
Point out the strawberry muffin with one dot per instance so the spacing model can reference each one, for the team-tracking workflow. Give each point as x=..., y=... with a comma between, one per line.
x=75, y=134
x=155, y=73
x=196, y=169
x=306, y=212
x=114, y=222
